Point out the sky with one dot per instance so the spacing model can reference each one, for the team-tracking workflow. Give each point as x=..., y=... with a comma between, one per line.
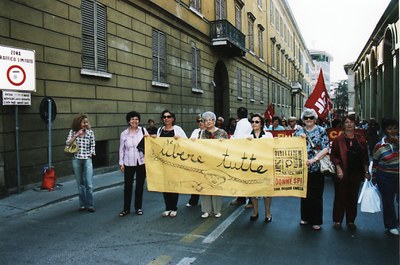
x=339, y=27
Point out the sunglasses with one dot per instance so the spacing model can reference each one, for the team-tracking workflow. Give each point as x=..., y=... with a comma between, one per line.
x=167, y=117
x=308, y=118
x=257, y=122
x=199, y=121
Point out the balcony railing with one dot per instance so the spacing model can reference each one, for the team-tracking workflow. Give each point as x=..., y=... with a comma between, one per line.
x=225, y=35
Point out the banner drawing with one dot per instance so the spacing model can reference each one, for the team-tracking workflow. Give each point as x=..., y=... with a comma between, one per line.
x=234, y=167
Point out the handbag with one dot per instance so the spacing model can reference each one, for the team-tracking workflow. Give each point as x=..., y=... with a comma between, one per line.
x=326, y=166
x=72, y=148
x=369, y=198
x=140, y=145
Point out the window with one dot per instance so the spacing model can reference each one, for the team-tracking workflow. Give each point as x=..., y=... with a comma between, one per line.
x=278, y=94
x=220, y=9
x=271, y=12
x=259, y=3
x=94, y=42
x=239, y=83
x=273, y=99
x=252, y=88
x=262, y=90
x=272, y=54
x=238, y=16
x=195, y=4
x=159, y=57
x=251, y=32
x=276, y=20
x=260, y=41
x=278, y=60
x=196, y=75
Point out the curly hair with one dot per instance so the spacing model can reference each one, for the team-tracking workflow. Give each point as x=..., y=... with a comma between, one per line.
x=76, y=122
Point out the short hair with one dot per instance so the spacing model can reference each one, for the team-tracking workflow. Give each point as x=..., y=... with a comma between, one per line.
x=276, y=118
x=242, y=112
x=167, y=111
x=150, y=120
x=76, y=122
x=209, y=115
x=308, y=113
x=292, y=118
x=350, y=117
x=220, y=118
x=132, y=114
x=259, y=116
x=389, y=122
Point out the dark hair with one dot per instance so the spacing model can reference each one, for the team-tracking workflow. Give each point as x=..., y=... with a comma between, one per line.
x=167, y=111
x=351, y=117
x=242, y=112
x=150, y=120
x=277, y=118
x=132, y=114
x=389, y=122
x=259, y=116
x=76, y=122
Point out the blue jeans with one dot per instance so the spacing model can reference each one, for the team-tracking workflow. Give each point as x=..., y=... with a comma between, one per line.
x=83, y=169
x=388, y=185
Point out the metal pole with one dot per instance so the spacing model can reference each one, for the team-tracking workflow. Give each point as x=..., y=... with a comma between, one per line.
x=17, y=149
x=49, y=129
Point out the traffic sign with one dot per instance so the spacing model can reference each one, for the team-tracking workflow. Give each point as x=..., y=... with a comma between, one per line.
x=16, y=98
x=17, y=69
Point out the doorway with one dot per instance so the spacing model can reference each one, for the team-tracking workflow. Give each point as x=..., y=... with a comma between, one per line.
x=221, y=91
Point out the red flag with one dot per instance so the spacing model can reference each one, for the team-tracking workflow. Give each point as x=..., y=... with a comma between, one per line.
x=269, y=112
x=319, y=99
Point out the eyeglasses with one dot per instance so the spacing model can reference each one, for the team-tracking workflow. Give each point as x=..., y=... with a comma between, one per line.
x=291, y=121
x=257, y=122
x=167, y=117
x=199, y=121
x=308, y=118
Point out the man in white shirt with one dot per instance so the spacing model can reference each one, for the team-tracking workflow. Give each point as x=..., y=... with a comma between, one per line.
x=242, y=131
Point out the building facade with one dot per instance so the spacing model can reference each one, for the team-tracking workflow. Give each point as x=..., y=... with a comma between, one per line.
x=376, y=70
x=322, y=60
x=108, y=57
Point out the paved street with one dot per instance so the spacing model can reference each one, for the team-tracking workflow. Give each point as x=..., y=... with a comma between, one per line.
x=45, y=228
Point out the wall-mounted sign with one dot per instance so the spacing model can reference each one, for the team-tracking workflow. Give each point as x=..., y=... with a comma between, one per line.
x=17, y=69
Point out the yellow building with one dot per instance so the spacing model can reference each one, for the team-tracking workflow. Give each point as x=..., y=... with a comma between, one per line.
x=108, y=57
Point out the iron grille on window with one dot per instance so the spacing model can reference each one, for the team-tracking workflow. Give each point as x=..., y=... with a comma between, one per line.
x=196, y=80
x=239, y=82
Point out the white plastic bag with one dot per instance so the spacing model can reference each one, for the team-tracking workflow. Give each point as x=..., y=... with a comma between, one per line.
x=369, y=198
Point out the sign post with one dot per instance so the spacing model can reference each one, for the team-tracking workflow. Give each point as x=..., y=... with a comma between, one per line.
x=17, y=75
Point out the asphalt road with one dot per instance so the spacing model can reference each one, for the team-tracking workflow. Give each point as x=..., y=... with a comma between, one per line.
x=59, y=234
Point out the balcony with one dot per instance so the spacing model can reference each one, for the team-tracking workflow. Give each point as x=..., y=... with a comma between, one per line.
x=227, y=38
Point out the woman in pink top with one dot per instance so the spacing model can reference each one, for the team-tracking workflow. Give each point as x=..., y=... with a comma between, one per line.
x=131, y=161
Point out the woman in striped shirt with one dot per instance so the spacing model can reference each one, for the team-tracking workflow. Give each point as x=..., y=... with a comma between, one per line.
x=385, y=170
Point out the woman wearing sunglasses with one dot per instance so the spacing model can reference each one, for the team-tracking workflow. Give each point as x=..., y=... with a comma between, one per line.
x=170, y=130
x=317, y=147
x=257, y=123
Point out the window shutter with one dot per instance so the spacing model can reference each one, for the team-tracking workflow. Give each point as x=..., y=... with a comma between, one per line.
x=88, y=46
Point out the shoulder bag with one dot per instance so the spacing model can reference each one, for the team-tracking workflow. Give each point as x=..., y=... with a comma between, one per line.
x=326, y=166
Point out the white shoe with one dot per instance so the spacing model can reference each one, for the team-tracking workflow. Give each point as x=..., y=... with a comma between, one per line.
x=188, y=205
x=205, y=215
x=173, y=213
x=394, y=231
x=166, y=213
x=218, y=215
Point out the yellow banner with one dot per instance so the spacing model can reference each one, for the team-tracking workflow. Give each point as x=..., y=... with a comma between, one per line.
x=234, y=167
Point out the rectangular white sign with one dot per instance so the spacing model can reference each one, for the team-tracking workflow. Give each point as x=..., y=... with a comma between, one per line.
x=17, y=69
x=16, y=98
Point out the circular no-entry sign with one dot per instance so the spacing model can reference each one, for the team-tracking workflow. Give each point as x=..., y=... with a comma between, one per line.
x=16, y=75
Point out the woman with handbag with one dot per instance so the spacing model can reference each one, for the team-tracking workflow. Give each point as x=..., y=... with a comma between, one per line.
x=83, y=136
x=170, y=130
x=349, y=154
x=385, y=170
x=131, y=161
x=311, y=207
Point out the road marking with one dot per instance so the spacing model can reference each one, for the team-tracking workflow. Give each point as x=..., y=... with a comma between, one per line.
x=224, y=225
x=186, y=261
x=161, y=260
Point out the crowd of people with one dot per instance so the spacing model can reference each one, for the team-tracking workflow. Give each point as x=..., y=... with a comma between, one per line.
x=350, y=152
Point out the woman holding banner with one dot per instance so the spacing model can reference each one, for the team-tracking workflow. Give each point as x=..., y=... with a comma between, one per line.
x=257, y=123
x=349, y=154
x=317, y=147
x=170, y=130
x=211, y=203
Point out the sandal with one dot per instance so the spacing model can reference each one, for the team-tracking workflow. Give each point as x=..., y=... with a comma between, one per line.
x=139, y=212
x=316, y=227
x=123, y=213
x=166, y=213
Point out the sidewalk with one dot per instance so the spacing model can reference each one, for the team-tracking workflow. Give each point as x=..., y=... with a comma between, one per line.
x=17, y=204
